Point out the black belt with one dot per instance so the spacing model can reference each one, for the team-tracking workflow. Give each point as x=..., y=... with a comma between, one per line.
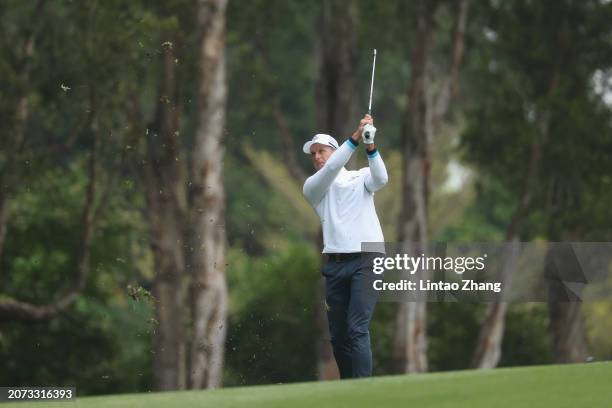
x=341, y=257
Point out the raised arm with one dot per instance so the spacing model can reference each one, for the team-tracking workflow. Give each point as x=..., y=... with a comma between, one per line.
x=378, y=176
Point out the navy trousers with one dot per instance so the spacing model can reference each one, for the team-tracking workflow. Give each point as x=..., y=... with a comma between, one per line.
x=350, y=301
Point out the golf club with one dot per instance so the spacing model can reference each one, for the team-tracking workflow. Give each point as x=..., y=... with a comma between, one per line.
x=369, y=131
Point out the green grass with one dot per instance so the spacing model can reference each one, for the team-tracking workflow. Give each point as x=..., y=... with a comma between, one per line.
x=576, y=385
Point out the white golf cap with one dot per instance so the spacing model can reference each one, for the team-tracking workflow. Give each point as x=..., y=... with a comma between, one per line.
x=322, y=139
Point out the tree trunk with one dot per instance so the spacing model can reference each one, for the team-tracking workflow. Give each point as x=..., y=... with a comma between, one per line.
x=566, y=321
x=164, y=195
x=425, y=113
x=3, y=227
x=488, y=348
x=568, y=332
x=289, y=149
x=207, y=201
x=410, y=342
x=326, y=363
x=336, y=115
x=337, y=51
x=491, y=334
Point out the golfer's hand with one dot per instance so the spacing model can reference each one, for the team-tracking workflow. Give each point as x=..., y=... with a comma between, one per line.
x=368, y=131
x=367, y=119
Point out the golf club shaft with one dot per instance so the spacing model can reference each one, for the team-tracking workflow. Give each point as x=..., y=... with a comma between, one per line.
x=372, y=84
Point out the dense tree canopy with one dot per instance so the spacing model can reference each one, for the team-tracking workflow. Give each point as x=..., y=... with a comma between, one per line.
x=82, y=85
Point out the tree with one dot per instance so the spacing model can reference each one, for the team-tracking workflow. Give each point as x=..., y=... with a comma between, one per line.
x=24, y=67
x=533, y=99
x=423, y=118
x=185, y=193
x=206, y=197
x=165, y=192
x=336, y=113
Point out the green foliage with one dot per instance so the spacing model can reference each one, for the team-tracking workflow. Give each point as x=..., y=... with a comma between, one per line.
x=272, y=333
x=598, y=320
x=485, y=218
x=248, y=211
x=452, y=330
x=101, y=343
x=541, y=95
x=138, y=293
x=382, y=330
x=270, y=58
x=526, y=339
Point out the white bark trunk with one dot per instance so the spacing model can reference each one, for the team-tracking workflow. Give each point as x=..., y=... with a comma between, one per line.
x=410, y=343
x=488, y=351
x=207, y=197
x=566, y=321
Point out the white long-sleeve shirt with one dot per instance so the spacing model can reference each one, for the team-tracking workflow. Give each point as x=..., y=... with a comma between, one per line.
x=344, y=200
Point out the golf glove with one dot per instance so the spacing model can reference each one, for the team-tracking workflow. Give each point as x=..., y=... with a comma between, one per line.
x=369, y=131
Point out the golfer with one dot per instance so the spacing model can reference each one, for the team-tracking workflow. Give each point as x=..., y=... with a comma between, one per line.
x=344, y=201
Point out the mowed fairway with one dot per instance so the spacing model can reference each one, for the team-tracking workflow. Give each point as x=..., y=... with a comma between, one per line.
x=576, y=385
